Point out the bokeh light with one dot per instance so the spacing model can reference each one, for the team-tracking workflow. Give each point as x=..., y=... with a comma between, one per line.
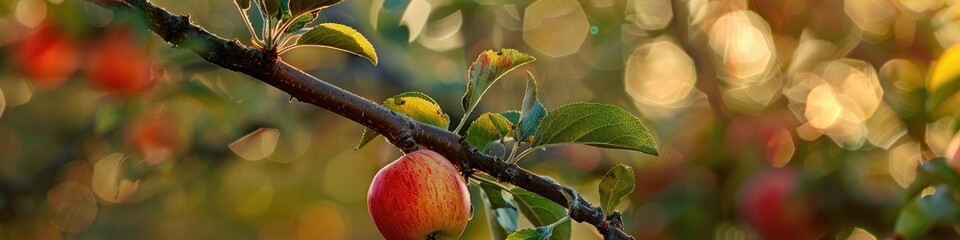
x=109, y=182
x=73, y=206
x=660, y=78
x=873, y=16
x=555, y=28
x=838, y=100
x=650, y=15
x=257, y=145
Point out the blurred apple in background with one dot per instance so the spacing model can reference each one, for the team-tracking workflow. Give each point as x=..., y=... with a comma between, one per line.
x=421, y=195
x=155, y=134
x=48, y=56
x=771, y=203
x=122, y=63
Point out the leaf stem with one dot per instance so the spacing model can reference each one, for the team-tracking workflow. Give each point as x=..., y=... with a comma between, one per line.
x=513, y=152
x=494, y=183
x=463, y=121
x=564, y=219
x=523, y=154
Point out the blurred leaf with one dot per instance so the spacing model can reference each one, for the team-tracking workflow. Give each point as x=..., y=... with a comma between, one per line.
x=502, y=208
x=488, y=68
x=931, y=173
x=415, y=105
x=487, y=128
x=594, y=124
x=920, y=214
x=107, y=118
x=531, y=112
x=256, y=145
x=300, y=22
x=197, y=90
x=243, y=4
x=512, y=115
x=539, y=233
x=542, y=212
x=618, y=182
x=339, y=37
x=944, y=79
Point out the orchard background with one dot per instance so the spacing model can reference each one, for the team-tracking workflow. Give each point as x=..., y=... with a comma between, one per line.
x=807, y=119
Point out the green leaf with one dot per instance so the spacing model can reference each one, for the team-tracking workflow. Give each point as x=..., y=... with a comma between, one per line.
x=487, y=128
x=415, y=105
x=540, y=233
x=243, y=4
x=542, y=212
x=497, y=231
x=933, y=172
x=944, y=80
x=618, y=182
x=531, y=111
x=297, y=7
x=300, y=22
x=284, y=11
x=920, y=214
x=503, y=209
x=594, y=124
x=339, y=37
x=488, y=68
x=512, y=115
x=108, y=118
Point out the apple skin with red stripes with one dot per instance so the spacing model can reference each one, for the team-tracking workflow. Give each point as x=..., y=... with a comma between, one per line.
x=421, y=195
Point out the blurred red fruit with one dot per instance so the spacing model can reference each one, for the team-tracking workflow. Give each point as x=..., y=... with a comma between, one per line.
x=771, y=203
x=155, y=135
x=120, y=63
x=48, y=57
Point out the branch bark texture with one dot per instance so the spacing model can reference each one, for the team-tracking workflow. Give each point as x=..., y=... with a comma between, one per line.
x=400, y=130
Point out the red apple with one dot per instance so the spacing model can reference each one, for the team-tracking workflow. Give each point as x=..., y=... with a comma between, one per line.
x=48, y=57
x=421, y=195
x=155, y=135
x=121, y=63
x=771, y=203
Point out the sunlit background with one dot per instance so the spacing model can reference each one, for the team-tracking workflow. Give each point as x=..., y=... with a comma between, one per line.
x=730, y=88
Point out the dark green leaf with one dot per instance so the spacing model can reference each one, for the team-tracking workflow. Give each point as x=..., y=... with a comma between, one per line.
x=243, y=4
x=542, y=212
x=488, y=68
x=415, y=105
x=284, y=11
x=487, y=128
x=512, y=115
x=933, y=172
x=531, y=111
x=504, y=210
x=300, y=22
x=540, y=233
x=922, y=213
x=298, y=7
x=594, y=124
x=618, y=182
x=339, y=37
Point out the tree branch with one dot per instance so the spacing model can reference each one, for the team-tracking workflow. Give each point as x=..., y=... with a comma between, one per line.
x=400, y=130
